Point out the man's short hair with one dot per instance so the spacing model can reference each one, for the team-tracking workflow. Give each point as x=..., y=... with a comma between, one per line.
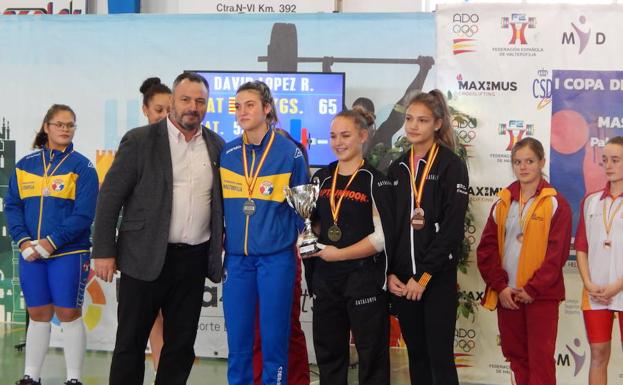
x=191, y=77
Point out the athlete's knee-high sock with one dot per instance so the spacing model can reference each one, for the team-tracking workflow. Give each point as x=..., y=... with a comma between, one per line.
x=75, y=342
x=37, y=344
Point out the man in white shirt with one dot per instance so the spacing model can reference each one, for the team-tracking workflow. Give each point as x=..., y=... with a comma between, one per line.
x=165, y=180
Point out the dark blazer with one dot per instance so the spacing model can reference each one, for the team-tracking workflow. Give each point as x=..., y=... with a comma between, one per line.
x=140, y=182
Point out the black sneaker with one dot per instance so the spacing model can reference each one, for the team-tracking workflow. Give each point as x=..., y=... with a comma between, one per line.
x=27, y=381
x=73, y=381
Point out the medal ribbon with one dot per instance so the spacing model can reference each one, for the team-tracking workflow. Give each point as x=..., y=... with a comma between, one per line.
x=610, y=220
x=522, y=206
x=46, y=167
x=252, y=180
x=335, y=209
x=419, y=192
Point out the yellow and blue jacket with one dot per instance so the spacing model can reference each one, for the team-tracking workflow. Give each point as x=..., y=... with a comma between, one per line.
x=52, y=195
x=273, y=226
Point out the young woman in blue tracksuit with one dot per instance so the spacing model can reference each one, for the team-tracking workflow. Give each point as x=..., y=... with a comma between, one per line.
x=49, y=209
x=260, y=234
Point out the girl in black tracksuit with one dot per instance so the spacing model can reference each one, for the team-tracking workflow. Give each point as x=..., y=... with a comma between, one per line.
x=430, y=183
x=348, y=276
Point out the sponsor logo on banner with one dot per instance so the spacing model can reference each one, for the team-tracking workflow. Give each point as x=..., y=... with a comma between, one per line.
x=542, y=89
x=464, y=344
x=581, y=35
x=575, y=358
x=515, y=129
x=469, y=232
x=483, y=193
x=464, y=27
x=484, y=87
x=465, y=129
x=38, y=7
x=518, y=44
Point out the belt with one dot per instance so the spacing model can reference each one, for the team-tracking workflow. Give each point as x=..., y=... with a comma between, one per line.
x=186, y=246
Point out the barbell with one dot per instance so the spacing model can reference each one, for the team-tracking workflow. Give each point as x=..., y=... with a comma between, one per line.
x=282, y=53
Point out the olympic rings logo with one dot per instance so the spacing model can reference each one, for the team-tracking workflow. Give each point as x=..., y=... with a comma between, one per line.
x=464, y=123
x=465, y=345
x=466, y=135
x=468, y=30
x=469, y=231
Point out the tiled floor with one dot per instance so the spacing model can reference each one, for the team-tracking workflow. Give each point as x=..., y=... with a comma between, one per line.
x=204, y=372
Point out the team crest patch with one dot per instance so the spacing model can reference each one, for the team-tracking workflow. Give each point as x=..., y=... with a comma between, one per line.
x=266, y=188
x=58, y=185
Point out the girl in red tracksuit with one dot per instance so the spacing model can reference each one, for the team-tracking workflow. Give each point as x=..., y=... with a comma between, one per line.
x=522, y=251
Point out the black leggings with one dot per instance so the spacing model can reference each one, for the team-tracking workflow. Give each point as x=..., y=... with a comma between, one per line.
x=428, y=328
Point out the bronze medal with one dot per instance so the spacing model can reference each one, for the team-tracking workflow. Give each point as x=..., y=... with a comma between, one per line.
x=417, y=216
x=248, y=208
x=417, y=219
x=334, y=233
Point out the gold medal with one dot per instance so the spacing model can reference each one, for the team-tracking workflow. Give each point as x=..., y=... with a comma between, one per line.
x=334, y=233
x=417, y=217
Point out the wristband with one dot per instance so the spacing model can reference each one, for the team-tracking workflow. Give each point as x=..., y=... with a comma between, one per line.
x=42, y=251
x=27, y=253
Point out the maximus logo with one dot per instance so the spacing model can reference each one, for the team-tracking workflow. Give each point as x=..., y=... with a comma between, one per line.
x=485, y=85
x=581, y=35
x=484, y=191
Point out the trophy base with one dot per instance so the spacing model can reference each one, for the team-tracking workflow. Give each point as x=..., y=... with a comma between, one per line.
x=307, y=249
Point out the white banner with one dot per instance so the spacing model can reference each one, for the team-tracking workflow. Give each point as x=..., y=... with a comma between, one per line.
x=256, y=6
x=497, y=63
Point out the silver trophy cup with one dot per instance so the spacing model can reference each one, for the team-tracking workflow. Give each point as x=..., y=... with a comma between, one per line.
x=303, y=199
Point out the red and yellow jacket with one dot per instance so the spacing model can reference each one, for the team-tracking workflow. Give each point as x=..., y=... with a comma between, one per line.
x=544, y=251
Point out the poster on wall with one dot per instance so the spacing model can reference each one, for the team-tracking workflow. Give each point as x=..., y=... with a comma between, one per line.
x=586, y=112
x=512, y=71
x=110, y=57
